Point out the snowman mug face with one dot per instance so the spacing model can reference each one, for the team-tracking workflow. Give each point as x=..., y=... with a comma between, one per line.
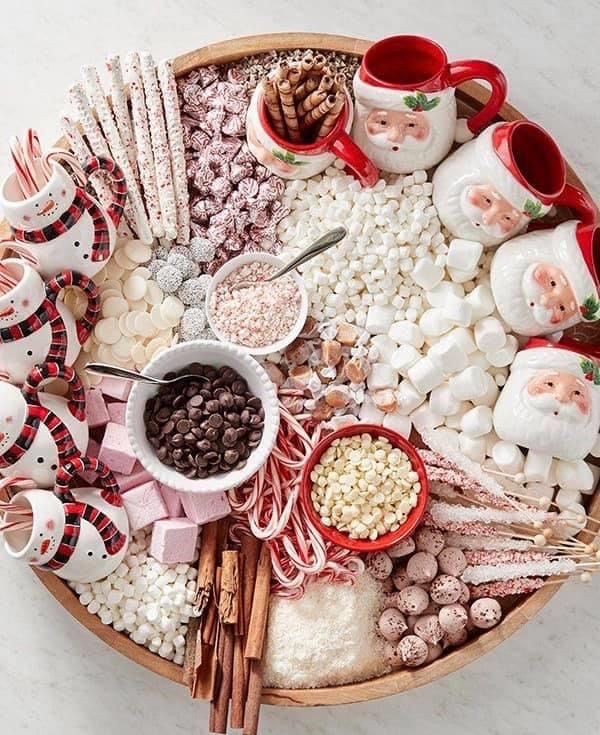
x=406, y=116
x=301, y=161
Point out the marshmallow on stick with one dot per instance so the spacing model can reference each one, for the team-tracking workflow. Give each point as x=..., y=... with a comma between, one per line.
x=289, y=110
x=109, y=128
x=121, y=110
x=143, y=144
x=168, y=88
x=160, y=146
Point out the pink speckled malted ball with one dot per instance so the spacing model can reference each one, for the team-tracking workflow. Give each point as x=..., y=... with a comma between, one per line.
x=433, y=652
x=413, y=650
x=392, y=599
x=453, y=618
x=465, y=593
x=413, y=600
x=379, y=565
x=445, y=589
x=430, y=540
x=486, y=612
x=392, y=655
x=392, y=624
x=400, y=578
x=455, y=639
x=402, y=548
x=428, y=628
x=452, y=561
x=422, y=567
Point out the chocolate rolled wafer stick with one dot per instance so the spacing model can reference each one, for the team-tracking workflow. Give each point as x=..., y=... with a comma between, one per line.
x=305, y=88
x=294, y=76
x=274, y=107
x=332, y=116
x=312, y=116
x=282, y=70
x=325, y=84
x=339, y=82
x=314, y=99
x=319, y=62
x=289, y=111
x=306, y=65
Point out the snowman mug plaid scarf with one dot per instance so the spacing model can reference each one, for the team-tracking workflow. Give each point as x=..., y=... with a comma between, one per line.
x=74, y=510
x=36, y=414
x=48, y=312
x=82, y=202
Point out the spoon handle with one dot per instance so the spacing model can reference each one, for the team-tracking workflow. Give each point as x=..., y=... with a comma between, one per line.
x=329, y=239
x=100, y=368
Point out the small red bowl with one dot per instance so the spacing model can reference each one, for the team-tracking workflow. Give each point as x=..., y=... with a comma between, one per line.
x=343, y=539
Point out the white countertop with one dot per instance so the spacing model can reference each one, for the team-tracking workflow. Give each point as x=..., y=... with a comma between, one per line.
x=58, y=679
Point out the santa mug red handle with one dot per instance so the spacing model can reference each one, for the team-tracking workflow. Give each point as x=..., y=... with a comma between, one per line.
x=87, y=322
x=464, y=71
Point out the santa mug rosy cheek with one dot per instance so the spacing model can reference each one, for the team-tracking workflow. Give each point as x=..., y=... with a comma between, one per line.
x=494, y=187
x=406, y=116
x=548, y=280
x=302, y=161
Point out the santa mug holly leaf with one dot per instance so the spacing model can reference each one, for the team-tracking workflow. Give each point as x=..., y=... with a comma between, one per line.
x=591, y=371
x=590, y=309
x=419, y=103
x=533, y=209
x=287, y=157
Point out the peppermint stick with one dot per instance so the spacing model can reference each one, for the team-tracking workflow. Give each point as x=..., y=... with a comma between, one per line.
x=176, y=146
x=143, y=144
x=160, y=146
x=522, y=586
x=98, y=99
x=121, y=110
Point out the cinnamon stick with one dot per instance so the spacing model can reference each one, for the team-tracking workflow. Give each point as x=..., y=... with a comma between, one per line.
x=207, y=564
x=189, y=659
x=238, y=684
x=220, y=704
x=252, y=711
x=229, y=595
x=209, y=626
x=205, y=676
x=260, y=606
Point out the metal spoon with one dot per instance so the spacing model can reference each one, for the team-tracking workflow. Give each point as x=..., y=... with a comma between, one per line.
x=100, y=368
x=326, y=241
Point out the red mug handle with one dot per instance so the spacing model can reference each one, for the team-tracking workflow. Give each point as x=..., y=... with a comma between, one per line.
x=363, y=168
x=463, y=71
x=111, y=492
x=580, y=203
x=88, y=321
x=118, y=185
x=51, y=371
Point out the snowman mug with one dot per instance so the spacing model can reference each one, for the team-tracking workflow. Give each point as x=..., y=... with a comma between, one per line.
x=62, y=227
x=493, y=187
x=35, y=327
x=406, y=116
x=303, y=160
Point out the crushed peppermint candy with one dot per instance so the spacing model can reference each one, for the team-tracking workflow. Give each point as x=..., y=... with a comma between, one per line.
x=245, y=315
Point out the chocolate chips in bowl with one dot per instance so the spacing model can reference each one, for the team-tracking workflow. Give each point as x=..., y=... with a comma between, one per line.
x=205, y=427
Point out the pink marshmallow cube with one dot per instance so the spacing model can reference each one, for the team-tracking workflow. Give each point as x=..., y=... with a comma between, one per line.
x=144, y=505
x=116, y=451
x=116, y=411
x=202, y=508
x=115, y=388
x=138, y=476
x=172, y=501
x=93, y=448
x=174, y=541
x=95, y=409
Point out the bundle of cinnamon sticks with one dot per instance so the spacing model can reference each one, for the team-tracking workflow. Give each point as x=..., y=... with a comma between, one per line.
x=305, y=99
x=224, y=647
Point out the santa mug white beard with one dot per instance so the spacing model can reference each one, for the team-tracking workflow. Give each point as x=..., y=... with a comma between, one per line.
x=541, y=282
x=550, y=410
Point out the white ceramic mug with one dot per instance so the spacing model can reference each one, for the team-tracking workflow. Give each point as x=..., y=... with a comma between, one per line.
x=35, y=326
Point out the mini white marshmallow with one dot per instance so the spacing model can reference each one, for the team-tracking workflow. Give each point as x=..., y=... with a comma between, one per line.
x=469, y=383
x=406, y=333
x=369, y=413
x=508, y=457
x=537, y=466
x=425, y=375
x=449, y=355
x=458, y=311
x=453, y=421
x=380, y=319
x=463, y=255
x=381, y=376
x=574, y=475
x=459, y=276
x=408, y=397
x=481, y=300
x=490, y=396
x=505, y=355
x=595, y=470
x=427, y=274
x=477, y=422
x=385, y=347
x=443, y=402
x=567, y=498
x=575, y=519
x=438, y=296
x=539, y=490
x=473, y=447
x=464, y=338
x=424, y=418
x=448, y=436
x=489, y=334
x=397, y=422
x=404, y=358
x=433, y=323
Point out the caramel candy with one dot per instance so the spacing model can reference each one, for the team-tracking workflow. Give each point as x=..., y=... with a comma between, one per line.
x=331, y=352
x=273, y=371
x=294, y=404
x=322, y=410
x=300, y=375
x=356, y=369
x=337, y=396
x=298, y=352
x=385, y=400
x=310, y=328
x=347, y=334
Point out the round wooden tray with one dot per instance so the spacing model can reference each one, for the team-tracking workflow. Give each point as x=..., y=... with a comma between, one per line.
x=471, y=96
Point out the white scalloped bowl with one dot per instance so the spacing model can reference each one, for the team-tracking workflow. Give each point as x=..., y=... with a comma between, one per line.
x=234, y=264
x=207, y=353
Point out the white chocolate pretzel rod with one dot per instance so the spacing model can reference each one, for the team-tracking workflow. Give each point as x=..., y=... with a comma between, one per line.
x=176, y=146
x=97, y=144
x=145, y=157
x=109, y=128
x=160, y=146
x=121, y=110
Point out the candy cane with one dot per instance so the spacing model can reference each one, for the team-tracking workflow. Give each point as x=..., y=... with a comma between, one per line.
x=160, y=146
x=177, y=148
x=145, y=156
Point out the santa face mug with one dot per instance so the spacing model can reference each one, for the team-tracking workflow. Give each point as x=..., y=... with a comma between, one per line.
x=301, y=161
x=551, y=401
x=405, y=117
x=34, y=326
x=81, y=535
x=39, y=430
x=492, y=188
x=549, y=280
x=62, y=227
